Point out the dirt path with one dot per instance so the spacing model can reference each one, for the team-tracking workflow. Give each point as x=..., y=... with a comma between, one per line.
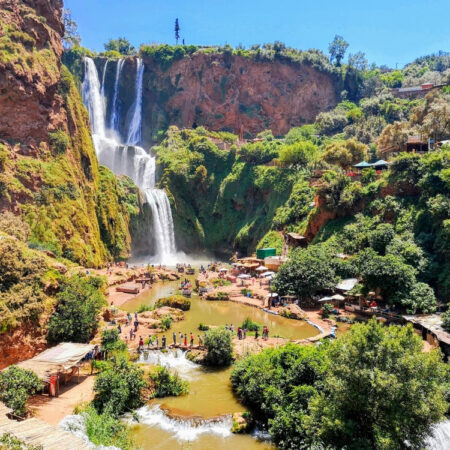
x=53, y=409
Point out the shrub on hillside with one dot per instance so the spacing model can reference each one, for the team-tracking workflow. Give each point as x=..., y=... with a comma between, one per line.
x=14, y=226
x=249, y=325
x=16, y=385
x=59, y=140
x=165, y=384
x=218, y=345
x=111, y=340
x=75, y=318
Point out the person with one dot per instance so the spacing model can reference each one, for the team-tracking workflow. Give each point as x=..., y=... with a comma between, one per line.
x=141, y=343
x=226, y=326
x=181, y=337
x=136, y=325
x=232, y=328
x=131, y=334
x=245, y=333
x=156, y=342
x=163, y=341
x=200, y=341
x=136, y=316
x=192, y=339
x=257, y=333
x=119, y=329
x=174, y=338
x=185, y=340
x=239, y=333
x=129, y=317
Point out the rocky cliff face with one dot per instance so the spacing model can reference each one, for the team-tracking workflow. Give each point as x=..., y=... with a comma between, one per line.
x=223, y=93
x=49, y=171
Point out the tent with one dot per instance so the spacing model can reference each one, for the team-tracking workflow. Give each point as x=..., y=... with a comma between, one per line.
x=268, y=274
x=347, y=285
x=362, y=165
x=381, y=163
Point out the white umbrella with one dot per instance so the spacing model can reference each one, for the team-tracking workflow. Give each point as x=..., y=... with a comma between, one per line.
x=273, y=294
x=243, y=276
x=338, y=297
x=268, y=274
x=223, y=269
x=261, y=269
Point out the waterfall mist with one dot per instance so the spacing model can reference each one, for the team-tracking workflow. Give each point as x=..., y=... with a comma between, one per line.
x=127, y=158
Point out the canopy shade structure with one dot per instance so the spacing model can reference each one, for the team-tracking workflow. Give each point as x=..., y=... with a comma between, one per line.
x=243, y=276
x=261, y=268
x=362, y=165
x=268, y=274
x=380, y=163
x=338, y=297
x=326, y=299
x=223, y=269
x=56, y=359
x=347, y=285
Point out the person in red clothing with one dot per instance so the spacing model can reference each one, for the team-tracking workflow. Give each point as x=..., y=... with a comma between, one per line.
x=185, y=340
x=192, y=339
x=141, y=343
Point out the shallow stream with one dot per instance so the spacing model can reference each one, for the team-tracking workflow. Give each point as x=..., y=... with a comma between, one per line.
x=202, y=419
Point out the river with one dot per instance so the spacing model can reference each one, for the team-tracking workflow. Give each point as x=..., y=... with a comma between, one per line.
x=201, y=419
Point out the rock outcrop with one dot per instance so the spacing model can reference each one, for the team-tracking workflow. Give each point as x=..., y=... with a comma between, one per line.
x=223, y=92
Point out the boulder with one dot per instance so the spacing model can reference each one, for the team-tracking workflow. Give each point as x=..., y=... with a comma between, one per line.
x=293, y=311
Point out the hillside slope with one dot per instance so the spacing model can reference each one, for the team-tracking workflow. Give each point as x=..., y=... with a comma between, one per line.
x=50, y=173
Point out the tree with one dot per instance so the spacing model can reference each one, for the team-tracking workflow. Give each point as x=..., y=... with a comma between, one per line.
x=380, y=390
x=120, y=45
x=298, y=154
x=394, y=137
x=71, y=37
x=446, y=320
x=420, y=298
x=177, y=31
x=118, y=388
x=306, y=273
x=76, y=314
x=337, y=49
x=345, y=153
x=358, y=61
x=16, y=385
x=218, y=346
x=165, y=384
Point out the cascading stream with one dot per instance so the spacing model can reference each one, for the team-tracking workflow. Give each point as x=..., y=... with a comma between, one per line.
x=128, y=159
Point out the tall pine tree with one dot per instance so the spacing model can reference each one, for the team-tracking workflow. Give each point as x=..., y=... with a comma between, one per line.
x=177, y=30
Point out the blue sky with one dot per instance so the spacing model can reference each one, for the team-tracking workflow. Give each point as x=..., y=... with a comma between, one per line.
x=389, y=31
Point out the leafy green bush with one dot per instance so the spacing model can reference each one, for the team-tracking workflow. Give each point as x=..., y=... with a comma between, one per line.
x=166, y=322
x=106, y=430
x=272, y=240
x=218, y=346
x=174, y=301
x=165, y=384
x=75, y=318
x=16, y=385
x=59, y=140
x=145, y=308
x=203, y=327
x=111, y=340
x=10, y=442
x=446, y=320
x=249, y=325
x=118, y=388
x=327, y=309
x=14, y=226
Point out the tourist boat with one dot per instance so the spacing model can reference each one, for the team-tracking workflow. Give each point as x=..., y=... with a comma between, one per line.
x=190, y=271
x=186, y=292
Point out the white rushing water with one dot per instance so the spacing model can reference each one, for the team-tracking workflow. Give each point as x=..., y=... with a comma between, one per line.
x=184, y=429
x=128, y=158
x=172, y=359
x=440, y=438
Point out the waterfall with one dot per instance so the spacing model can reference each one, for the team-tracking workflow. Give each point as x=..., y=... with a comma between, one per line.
x=134, y=131
x=102, y=91
x=114, y=121
x=129, y=159
x=440, y=437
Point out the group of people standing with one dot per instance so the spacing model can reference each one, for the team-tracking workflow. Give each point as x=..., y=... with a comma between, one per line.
x=183, y=341
x=242, y=332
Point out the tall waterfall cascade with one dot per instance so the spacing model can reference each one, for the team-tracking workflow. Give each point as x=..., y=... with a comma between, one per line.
x=126, y=157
